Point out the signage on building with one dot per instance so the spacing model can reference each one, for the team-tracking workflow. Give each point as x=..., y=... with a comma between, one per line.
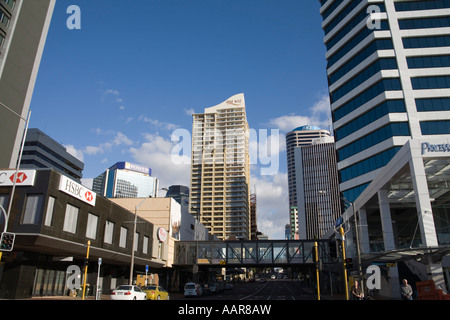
x=234, y=102
x=77, y=190
x=23, y=178
x=134, y=167
x=162, y=234
x=429, y=147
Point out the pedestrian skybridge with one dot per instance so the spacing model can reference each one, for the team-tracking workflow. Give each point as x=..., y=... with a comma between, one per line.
x=256, y=253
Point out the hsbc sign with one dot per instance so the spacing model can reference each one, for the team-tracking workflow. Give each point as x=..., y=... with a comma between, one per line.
x=77, y=190
x=23, y=178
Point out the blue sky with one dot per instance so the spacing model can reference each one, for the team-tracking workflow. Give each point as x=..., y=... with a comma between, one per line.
x=116, y=89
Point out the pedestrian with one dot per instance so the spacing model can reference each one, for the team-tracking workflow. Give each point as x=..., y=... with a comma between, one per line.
x=356, y=292
x=406, y=290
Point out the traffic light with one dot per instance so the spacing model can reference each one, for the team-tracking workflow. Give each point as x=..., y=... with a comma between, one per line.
x=7, y=241
x=349, y=263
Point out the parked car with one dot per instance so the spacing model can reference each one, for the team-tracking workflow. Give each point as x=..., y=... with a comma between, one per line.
x=205, y=289
x=220, y=286
x=213, y=287
x=192, y=289
x=155, y=292
x=127, y=292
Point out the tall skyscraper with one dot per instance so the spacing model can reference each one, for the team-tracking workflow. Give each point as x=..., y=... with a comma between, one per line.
x=301, y=136
x=389, y=80
x=220, y=170
x=319, y=203
x=126, y=180
x=24, y=26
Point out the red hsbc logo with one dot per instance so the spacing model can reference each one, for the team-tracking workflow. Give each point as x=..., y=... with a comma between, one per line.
x=23, y=177
x=89, y=196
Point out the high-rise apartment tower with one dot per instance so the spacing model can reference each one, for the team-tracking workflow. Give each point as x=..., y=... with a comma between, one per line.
x=220, y=170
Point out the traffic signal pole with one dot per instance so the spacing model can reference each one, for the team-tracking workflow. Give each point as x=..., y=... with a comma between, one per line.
x=341, y=230
x=85, y=268
x=316, y=262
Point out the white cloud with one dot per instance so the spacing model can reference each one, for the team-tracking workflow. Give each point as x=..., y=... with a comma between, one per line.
x=158, y=124
x=189, y=112
x=272, y=204
x=122, y=139
x=118, y=140
x=113, y=96
x=319, y=116
x=155, y=153
x=77, y=153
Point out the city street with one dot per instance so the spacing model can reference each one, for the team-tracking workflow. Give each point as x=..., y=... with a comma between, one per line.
x=268, y=290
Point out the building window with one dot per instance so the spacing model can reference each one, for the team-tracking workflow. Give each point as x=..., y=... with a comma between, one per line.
x=145, y=245
x=4, y=201
x=123, y=237
x=136, y=241
x=109, y=231
x=71, y=219
x=91, y=229
x=32, y=212
x=49, y=213
x=435, y=127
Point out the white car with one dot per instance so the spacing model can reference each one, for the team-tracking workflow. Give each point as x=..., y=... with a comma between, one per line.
x=192, y=289
x=127, y=292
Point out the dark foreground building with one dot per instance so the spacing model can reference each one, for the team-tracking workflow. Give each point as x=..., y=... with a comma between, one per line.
x=53, y=218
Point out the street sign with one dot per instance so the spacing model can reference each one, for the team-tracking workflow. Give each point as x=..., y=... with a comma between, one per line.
x=146, y=268
x=99, y=261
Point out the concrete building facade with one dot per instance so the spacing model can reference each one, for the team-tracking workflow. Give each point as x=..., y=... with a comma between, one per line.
x=23, y=32
x=220, y=171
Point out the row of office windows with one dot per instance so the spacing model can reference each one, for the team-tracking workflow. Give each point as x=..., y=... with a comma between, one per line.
x=362, y=16
x=32, y=215
x=389, y=106
x=435, y=127
x=424, y=23
x=353, y=193
x=428, y=62
x=436, y=82
x=367, y=95
x=426, y=42
x=350, y=45
x=433, y=104
x=331, y=8
x=341, y=16
x=380, y=44
x=391, y=130
x=375, y=162
x=374, y=68
x=422, y=5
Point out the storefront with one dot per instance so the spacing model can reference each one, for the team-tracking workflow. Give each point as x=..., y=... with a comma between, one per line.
x=54, y=218
x=404, y=215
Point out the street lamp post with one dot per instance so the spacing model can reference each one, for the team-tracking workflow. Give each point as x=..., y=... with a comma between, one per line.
x=358, y=252
x=134, y=236
x=8, y=211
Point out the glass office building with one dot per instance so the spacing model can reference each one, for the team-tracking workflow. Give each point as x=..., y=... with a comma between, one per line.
x=126, y=180
x=389, y=82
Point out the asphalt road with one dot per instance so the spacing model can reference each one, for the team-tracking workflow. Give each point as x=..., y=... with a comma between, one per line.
x=269, y=290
